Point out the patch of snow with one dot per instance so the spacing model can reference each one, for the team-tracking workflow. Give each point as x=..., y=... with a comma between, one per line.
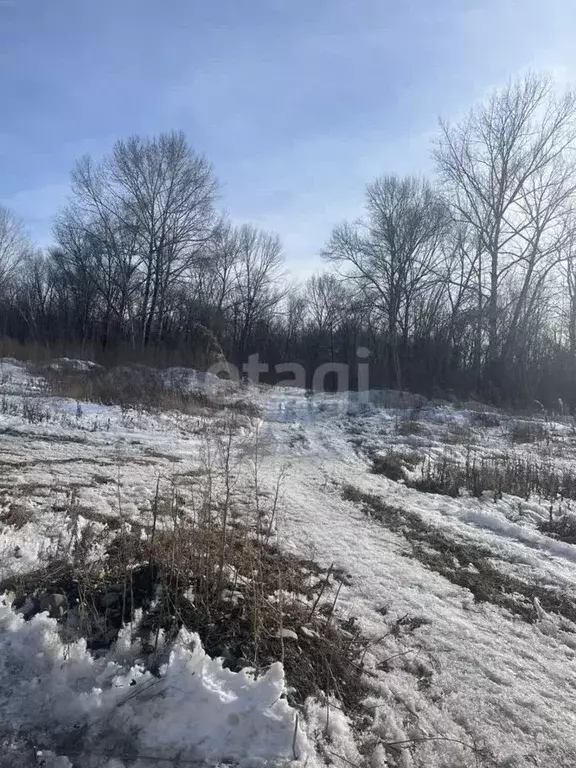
x=72, y=364
x=112, y=707
x=191, y=380
x=474, y=673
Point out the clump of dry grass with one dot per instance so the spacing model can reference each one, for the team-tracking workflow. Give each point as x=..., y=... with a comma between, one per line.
x=137, y=387
x=560, y=525
x=394, y=463
x=464, y=562
x=17, y=515
x=488, y=419
x=207, y=559
x=256, y=606
x=409, y=427
x=527, y=432
x=457, y=434
x=515, y=475
x=31, y=409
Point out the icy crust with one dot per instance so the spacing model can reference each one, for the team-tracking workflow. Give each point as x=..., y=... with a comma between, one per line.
x=109, y=711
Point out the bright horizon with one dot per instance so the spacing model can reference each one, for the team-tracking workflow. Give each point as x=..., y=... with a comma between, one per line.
x=298, y=105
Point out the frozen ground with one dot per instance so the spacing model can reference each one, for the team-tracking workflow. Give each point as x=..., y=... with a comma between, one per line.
x=480, y=682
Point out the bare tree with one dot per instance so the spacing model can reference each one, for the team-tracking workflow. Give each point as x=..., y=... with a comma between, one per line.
x=13, y=245
x=508, y=168
x=294, y=319
x=564, y=288
x=36, y=294
x=258, y=280
x=150, y=207
x=218, y=266
x=329, y=303
x=393, y=254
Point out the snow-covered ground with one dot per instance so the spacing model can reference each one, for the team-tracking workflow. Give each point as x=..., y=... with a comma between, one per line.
x=477, y=683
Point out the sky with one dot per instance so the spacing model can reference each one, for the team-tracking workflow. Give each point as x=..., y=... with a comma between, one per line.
x=298, y=103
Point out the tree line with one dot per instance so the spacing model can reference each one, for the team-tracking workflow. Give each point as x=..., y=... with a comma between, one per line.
x=464, y=283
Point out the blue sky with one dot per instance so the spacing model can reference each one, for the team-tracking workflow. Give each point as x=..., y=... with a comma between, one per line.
x=298, y=103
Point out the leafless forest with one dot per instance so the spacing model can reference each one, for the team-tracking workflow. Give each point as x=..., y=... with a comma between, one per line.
x=460, y=284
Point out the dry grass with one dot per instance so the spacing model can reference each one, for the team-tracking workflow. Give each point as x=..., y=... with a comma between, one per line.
x=205, y=556
x=560, y=525
x=241, y=606
x=465, y=563
x=521, y=432
x=393, y=464
x=487, y=419
x=497, y=474
x=31, y=409
x=137, y=387
x=17, y=515
x=458, y=434
x=409, y=427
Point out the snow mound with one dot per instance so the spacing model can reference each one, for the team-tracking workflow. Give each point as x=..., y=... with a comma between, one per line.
x=104, y=711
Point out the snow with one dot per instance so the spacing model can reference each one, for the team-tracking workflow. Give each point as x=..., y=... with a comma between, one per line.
x=474, y=685
x=191, y=380
x=194, y=710
x=496, y=681
x=67, y=363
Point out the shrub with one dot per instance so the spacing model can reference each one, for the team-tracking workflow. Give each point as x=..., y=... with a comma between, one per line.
x=33, y=412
